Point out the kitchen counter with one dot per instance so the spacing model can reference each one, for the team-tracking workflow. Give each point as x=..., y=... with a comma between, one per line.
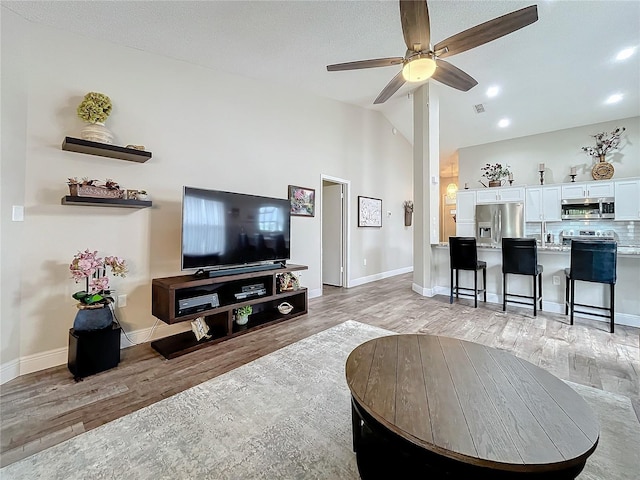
x=554, y=258
x=623, y=250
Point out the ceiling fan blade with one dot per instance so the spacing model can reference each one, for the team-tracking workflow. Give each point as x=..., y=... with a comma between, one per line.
x=378, y=62
x=487, y=31
x=414, y=16
x=391, y=88
x=453, y=76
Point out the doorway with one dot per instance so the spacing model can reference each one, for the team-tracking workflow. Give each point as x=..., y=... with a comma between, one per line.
x=335, y=229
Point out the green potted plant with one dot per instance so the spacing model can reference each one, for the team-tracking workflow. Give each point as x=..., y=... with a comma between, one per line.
x=242, y=314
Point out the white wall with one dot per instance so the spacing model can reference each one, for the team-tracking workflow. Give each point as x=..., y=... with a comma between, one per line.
x=205, y=129
x=13, y=96
x=559, y=151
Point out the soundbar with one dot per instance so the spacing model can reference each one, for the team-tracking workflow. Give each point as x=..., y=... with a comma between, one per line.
x=236, y=270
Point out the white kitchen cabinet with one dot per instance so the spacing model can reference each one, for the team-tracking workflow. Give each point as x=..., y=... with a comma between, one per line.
x=465, y=229
x=500, y=195
x=587, y=190
x=543, y=204
x=465, y=206
x=627, y=198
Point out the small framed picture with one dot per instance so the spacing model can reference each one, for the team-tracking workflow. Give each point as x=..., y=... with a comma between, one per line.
x=369, y=212
x=303, y=201
x=132, y=194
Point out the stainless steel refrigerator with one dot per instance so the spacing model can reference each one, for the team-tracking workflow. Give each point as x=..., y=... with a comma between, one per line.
x=497, y=220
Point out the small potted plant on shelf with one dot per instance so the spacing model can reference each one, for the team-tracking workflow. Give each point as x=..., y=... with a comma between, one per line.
x=89, y=188
x=143, y=195
x=242, y=314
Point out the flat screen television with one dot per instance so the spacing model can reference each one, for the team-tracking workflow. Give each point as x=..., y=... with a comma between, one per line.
x=223, y=230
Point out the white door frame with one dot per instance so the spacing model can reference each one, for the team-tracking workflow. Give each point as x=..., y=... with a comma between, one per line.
x=346, y=222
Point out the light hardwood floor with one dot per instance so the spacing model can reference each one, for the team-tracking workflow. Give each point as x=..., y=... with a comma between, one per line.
x=45, y=408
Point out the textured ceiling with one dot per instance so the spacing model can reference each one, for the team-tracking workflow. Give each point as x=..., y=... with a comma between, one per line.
x=553, y=74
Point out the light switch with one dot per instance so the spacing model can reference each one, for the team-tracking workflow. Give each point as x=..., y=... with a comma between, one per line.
x=17, y=213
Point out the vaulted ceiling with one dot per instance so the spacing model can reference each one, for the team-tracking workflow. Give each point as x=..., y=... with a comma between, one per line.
x=556, y=73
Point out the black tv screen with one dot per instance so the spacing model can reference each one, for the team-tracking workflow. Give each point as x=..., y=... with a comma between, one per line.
x=226, y=229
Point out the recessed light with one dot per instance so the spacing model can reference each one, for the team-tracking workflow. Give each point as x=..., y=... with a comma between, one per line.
x=626, y=53
x=615, y=98
x=493, y=91
x=505, y=122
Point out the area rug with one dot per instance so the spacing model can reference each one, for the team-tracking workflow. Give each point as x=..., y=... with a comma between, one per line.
x=283, y=416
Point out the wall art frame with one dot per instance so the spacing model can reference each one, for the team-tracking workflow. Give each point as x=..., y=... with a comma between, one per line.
x=131, y=195
x=303, y=201
x=369, y=212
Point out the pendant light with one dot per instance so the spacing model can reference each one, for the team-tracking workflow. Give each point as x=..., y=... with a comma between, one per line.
x=452, y=188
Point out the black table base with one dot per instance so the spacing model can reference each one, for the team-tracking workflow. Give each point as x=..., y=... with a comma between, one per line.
x=382, y=455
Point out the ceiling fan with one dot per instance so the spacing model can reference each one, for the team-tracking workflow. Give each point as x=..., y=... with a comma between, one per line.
x=422, y=62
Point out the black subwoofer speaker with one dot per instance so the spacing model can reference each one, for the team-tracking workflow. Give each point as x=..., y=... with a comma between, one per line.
x=93, y=351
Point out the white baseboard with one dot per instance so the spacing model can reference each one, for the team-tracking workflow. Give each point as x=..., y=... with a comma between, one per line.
x=379, y=276
x=425, y=292
x=44, y=360
x=316, y=292
x=144, y=335
x=9, y=371
x=60, y=356
x=620, y=318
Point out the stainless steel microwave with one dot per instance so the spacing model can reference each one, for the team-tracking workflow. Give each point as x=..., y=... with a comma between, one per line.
x=588, y=208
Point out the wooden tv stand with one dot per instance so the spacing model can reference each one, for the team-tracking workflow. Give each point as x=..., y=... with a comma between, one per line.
x=166, y=293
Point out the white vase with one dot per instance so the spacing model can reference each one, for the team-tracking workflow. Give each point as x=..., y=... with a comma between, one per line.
x=96, y=132
x=242, y=320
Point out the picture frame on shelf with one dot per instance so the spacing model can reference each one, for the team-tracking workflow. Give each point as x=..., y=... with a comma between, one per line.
x=303, y=201
x=132, y=195
x=369, y=212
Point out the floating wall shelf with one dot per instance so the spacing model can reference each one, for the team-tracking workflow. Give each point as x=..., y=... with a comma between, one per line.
x=105, y=202
x=105, y=150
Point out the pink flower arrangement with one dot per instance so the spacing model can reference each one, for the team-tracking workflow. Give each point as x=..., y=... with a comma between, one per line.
x=91, y=268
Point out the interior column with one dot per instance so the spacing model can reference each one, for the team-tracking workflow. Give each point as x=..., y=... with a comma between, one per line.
x=425, y=186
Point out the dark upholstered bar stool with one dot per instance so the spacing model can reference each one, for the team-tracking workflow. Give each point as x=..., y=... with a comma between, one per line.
x=520, y=257
x=591, y=261
x=464, y=256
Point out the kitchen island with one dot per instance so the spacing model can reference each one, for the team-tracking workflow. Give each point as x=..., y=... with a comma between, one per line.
x=554, y=258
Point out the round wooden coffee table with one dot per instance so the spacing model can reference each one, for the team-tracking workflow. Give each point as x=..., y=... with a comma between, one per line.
x=422, y=402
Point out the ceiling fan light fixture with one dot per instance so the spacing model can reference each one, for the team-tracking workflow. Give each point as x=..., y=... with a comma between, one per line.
x=419, y=68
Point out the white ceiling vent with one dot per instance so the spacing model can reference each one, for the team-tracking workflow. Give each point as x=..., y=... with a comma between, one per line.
x=479, y=108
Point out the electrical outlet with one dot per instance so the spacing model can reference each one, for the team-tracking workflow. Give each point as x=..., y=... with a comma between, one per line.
x=556, y=280
x=122, y=300
x=17, y=213
x=364, y=262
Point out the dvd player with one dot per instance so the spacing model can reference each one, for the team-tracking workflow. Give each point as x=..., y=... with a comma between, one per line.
x=252, y=293
x=198, y=304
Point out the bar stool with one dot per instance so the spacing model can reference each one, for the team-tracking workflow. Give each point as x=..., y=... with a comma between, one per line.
x=463, y=255
x=591, y=261
x=520, y=257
